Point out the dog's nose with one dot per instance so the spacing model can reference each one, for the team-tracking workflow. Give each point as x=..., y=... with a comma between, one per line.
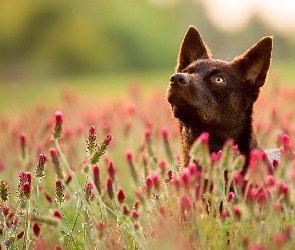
x=179, y=78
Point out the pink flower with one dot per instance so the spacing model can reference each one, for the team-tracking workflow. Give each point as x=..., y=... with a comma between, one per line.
x=169, y=174
x=148, y=184
x=135, y=214
x=110, y=188
x=111, y=170
x=36, y=229
x=204, y=137
x=156, y=180
x=237, y=211
x=121, y=196
x=231, y=195
x=224, y=214
x=96, y=178
x=27, y=189
x=57, y=130
x=57, y=214
x=284, y=188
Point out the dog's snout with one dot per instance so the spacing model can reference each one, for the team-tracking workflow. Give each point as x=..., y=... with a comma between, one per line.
x=179, y=78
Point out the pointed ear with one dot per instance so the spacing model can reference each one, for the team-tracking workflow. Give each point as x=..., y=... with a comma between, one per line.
x=191, y=49
x=255, y=62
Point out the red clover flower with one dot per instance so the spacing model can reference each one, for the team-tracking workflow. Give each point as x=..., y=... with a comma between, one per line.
x=57, y=130
x=40, y=169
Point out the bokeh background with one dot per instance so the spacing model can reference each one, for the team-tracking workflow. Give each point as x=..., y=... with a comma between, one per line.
x=99, y=47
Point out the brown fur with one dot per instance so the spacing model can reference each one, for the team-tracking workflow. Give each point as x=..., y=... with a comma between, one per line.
x=224, y=110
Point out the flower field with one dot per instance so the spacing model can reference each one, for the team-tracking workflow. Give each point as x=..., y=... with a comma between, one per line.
x=109, y=175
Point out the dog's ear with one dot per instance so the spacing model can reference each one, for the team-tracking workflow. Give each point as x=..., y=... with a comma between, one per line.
x=191, y=49
x=255, y=63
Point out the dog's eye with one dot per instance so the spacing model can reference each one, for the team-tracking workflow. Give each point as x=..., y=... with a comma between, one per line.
x=218, y=80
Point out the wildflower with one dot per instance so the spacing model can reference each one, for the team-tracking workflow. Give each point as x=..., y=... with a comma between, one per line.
x=110, y=188
x=286, y=145
x=149, y=185
x=238, y=179
x=231, y=195
x=101, y=149
x=121, y=196
x=125, y=210
x=161, y=210
x=129, y=157
x=185, y=177
x=145, y=165
x=20, y=234
x=57, y=130
x=224, y=214
x=100, y=228
x=278, y=207
x=96, y=179
x=22, y=187
x=185, y=206
x=68, y=179
x=135, y=225
x=29, y=177
x=36, y=229
x=135, y=214
x=59, y=192
x=5, y=210
x=284, y=188
x=270, y=181
x=162, y=167
x=47, y=196
x=40, y=169
x=4, y=191
x=88, y=192
x=140, y=194
x=136, y=205
x=57, y=214
x=111, y=170
x=164, y=133
x=275, y=163
x=27, y=189
x=56, y=165
x=147, y=135
x=176, y=183
x=204, y=137
x=57, y=247
x=169, y=175
x=237, y=211
x=23, y=138
x=156, y=180
x=91, y=142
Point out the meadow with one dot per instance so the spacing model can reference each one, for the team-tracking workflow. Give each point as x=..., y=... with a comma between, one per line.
x=97, y=165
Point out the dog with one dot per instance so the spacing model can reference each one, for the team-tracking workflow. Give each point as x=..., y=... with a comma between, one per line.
x=216, y=96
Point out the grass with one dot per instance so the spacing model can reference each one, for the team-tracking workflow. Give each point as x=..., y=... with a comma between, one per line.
x=119, y=184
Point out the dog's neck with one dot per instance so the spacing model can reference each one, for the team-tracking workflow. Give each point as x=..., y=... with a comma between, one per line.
x=242, y=133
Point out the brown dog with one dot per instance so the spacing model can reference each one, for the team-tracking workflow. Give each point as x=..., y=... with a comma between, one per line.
x=215, y=96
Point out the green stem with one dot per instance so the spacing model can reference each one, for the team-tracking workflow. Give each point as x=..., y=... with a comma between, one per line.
x=27, y=223
x=68, y=227
x=64, y=160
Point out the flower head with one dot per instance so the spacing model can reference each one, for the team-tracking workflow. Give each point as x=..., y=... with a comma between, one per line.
x=56, y=165
x=57, y=130
x=121, y=196
x=36, y=229
x=59, y=192
x=4, y=191
x=40, y=169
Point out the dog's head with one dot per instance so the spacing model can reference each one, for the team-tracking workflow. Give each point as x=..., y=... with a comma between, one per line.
x=216, y=91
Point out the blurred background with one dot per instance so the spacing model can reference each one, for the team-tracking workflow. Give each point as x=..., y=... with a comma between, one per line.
x=80, y=43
